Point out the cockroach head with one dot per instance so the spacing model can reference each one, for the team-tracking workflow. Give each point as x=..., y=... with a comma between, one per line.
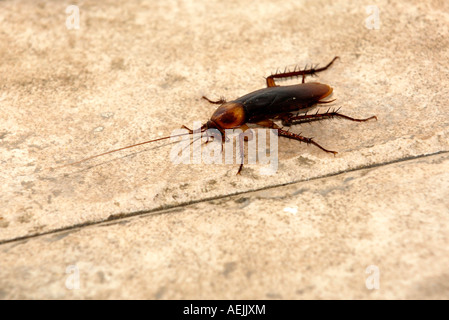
x=209, y=125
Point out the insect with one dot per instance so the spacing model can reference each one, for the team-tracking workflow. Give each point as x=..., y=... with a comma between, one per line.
x=288, y=104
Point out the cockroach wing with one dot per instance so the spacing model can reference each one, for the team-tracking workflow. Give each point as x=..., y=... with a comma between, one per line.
x=269, y=102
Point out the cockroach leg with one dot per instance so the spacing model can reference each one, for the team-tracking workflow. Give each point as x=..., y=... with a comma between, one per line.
x=303, y=73
x=193, y=140
x=190, y=130
x=293, y=120
x=246, y=135
x=221, y=101
x=300, y=138
x=291, y=135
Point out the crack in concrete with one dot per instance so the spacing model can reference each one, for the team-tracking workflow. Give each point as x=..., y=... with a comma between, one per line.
x=175, y=207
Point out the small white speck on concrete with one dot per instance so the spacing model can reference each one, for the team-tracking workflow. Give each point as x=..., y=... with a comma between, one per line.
x=98, y=129
x=107, y=115
x=292, y=210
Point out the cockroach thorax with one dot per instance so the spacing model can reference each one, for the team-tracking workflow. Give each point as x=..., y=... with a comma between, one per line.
x=229, y=115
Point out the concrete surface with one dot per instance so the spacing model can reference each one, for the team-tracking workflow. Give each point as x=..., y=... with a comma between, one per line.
x=137, y=70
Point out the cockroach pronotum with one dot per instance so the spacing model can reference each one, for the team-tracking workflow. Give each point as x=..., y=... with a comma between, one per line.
x=288, y=104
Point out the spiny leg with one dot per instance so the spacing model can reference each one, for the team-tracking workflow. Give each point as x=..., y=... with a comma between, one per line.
x=221, y=101
x=290, y=135
x=296, y=73
x=300, y=138
x=305, y=118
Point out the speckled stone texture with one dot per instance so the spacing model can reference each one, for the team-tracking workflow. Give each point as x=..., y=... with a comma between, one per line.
x=134, y=225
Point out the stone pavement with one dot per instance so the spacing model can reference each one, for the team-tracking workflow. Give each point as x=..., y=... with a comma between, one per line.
x=134, y=225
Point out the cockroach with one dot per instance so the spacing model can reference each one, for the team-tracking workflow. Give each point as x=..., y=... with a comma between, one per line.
x=289, y=104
